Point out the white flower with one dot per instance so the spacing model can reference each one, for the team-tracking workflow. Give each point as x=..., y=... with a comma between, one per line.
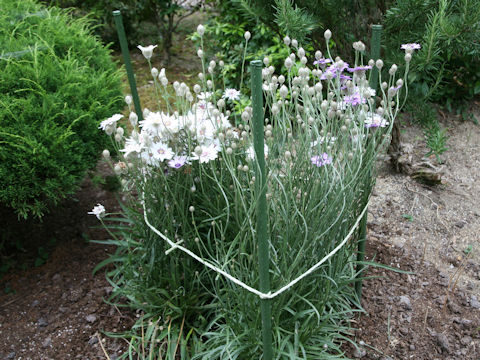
x=132, y=144
x=147, y=51
x=251, y=152
x=375, y=120
x=204, y=95
x=200, y=30
x=109, y=125
x=161, y=151
x=206, y=153
x=231, y=94
x=98, y=211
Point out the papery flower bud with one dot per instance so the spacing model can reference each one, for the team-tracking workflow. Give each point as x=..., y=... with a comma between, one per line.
x=176, y=85
x=324, y=105
x=247, y=35
x=271, y=69
x=301, y=52
x=275, y=109
x=209, y=84
x=210, y=70
x=327, y=34
x=283, y=91
x=221, y=63
x=281, y=79
x=118, y=137
x=266, y=61
x=201, y=76
x=318, y=55
x=399, y=82
x=164, y=81
x=221, y=103
x=294, y=43
x=212, y=64
x=408, y=57
x=286, y=40
x=145, y=113
x=120, y=131
x=246, y=116
x=379, y=64
x=311, y=91
x=106, y=154
x=384, y=85
x=189, y=97
x=200, y=30
x=128, y=100
x=288, y=63
x=197, y=88
x=303, y=60
x=200, y=53
x=154, y=72
x=133, y=119
x=393, y=69
x=318, y=87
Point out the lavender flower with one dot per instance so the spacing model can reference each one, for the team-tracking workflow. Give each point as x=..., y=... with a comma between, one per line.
x=359, y=68
x=177, y=162
x=321, y=160
x=410, y=47
x=322, y=61
x=354, y=99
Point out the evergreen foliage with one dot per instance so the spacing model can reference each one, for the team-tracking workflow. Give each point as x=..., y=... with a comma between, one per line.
x=58, y=82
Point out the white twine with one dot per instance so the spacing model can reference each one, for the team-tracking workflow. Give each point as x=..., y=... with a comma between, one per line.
x=240, y=283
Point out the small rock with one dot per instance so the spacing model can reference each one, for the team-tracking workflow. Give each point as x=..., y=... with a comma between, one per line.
x=412, y=347
x=93, y=340
x=474, y=302
x=460, y=224
x=359, y=353
x=35, y=303
x=42, y=322
x=454, y=308
x=56, y=278
x=466, y=340
x=405, y=301
x=47, y=342
x=91, y=318
x=11, y=356
x=442, y=341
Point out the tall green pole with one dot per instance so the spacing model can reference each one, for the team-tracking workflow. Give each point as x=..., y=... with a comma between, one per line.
x=362, y=230
x=375, y=53
x=128, y=65
x=261, y=208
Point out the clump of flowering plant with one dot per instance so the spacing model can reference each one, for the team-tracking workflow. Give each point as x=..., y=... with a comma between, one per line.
x=191, y=169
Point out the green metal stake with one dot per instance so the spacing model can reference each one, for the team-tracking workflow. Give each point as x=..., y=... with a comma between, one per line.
x=362, y=233
x=375, y=53
x=128, y=65
x=261, y=210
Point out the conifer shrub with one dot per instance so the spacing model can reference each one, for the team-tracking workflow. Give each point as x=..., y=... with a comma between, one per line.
x=57, y=83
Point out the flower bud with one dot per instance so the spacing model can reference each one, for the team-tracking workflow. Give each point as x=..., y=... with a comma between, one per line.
x=200, y=30
x=393, y=69
x=266, y=61
x=118, y=137
x=191, y=209
x=408, y=57
x=221, y=103
x=164, y=81
x=128, y=100
x=371, y=62
x=304, y=60
x=318, y=54
x=200, y=53
x=221, y=63
x=327, y=34
x=283, y=91
x=106, y=154
x=212, y=64
x=301, y=52
x=399, y=82
x=384, y=85
x=247, y=35
x=209, y=84
x=198, y=150
x=286, y=40
x=294, y=43
x=197, y=88
x=288, y=63
x=379, y=64
x=154, y=72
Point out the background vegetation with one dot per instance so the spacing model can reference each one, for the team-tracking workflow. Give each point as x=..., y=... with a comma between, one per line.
x=57, y=83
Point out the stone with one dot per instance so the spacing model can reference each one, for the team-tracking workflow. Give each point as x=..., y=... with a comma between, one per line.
x=91, y=318
x=474, y=302
x=466, y=340
x=442, y=341
x=47, y=342
x=359, y=353
x=42, y=322
x=405, y=301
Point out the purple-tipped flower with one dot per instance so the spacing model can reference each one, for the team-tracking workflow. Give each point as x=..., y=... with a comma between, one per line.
x=354, y=99
x=359, y=68
x=321, y=160
x=322, y=61
x=177, y=162
x=410, y=47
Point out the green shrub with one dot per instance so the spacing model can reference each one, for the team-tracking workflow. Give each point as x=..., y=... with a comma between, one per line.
x=52, y=98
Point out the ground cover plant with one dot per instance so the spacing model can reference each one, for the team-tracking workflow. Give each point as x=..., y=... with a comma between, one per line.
x=190, y=176
x=57, y=83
